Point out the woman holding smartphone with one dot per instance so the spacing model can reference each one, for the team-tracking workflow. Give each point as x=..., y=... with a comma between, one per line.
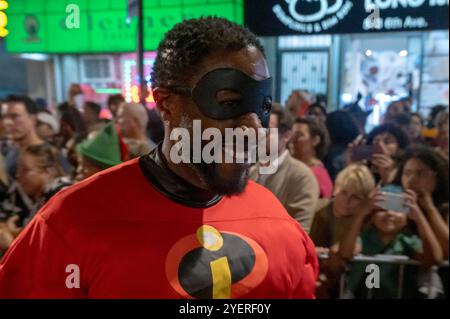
x=424, y=172
x=379, y=151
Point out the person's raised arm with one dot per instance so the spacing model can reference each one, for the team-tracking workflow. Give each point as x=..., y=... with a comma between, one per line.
x=431, y=253
x=348, y=246
x=436, y=221
x=384, y=164
x=350, y=147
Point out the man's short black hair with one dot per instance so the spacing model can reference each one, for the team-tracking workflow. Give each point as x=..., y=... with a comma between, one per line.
x=115, y=99
x=72, y=117
x=189, y=42
x=29, y=103
x=94, y=108
x=342, y=128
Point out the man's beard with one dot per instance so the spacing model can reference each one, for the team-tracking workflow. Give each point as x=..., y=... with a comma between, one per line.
x=232, y=185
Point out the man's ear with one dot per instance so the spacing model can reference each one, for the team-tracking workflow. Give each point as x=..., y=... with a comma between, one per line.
x=161, y=96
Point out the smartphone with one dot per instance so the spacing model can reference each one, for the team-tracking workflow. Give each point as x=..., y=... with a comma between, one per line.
x=392, y=188
x=363, y=152
x=394, y=202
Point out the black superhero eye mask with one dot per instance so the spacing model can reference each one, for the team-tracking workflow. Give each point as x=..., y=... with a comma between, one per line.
x=248, y=95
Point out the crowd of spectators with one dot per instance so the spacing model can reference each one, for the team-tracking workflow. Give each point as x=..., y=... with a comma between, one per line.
x=337, y=180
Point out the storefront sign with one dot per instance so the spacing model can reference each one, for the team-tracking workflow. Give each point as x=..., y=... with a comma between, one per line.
x=101, y=26
x=288, y=17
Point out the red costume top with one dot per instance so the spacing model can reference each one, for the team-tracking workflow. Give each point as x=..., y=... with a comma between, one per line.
x=118, y=237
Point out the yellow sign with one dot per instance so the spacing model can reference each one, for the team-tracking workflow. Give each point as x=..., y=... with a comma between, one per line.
x=3, y=19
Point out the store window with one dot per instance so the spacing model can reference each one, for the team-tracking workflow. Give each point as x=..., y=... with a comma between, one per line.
x=435, y=77
x=306, y=70
x=379, y=69
x=304, y=64
x=97, y=69
x=130, y=76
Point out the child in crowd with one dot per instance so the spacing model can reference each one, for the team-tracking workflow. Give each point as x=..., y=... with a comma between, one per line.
x=389, y=233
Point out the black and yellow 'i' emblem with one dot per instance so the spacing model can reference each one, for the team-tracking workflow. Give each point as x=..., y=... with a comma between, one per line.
x=217, y=265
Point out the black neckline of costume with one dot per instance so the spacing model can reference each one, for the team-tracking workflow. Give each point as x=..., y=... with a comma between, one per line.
x=169, y=184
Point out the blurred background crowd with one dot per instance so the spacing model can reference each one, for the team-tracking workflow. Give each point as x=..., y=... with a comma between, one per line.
x=363, y=121
x=331, y=177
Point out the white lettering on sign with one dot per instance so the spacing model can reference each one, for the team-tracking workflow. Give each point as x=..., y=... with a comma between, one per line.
x=324, y=9
x=395, y=4
x=415, y=23
x=327, y=15
x=308, y=16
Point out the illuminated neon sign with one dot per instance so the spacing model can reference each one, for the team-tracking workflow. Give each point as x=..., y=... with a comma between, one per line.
x=130, y=86
x=3, y=18
x=44, y=26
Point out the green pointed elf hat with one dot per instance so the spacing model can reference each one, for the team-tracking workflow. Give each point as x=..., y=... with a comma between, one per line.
x=103, y=149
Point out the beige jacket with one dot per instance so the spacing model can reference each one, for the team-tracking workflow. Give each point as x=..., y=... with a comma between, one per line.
x=296, y=188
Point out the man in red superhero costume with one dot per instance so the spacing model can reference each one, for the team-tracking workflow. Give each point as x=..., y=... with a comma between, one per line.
x=150, y=228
